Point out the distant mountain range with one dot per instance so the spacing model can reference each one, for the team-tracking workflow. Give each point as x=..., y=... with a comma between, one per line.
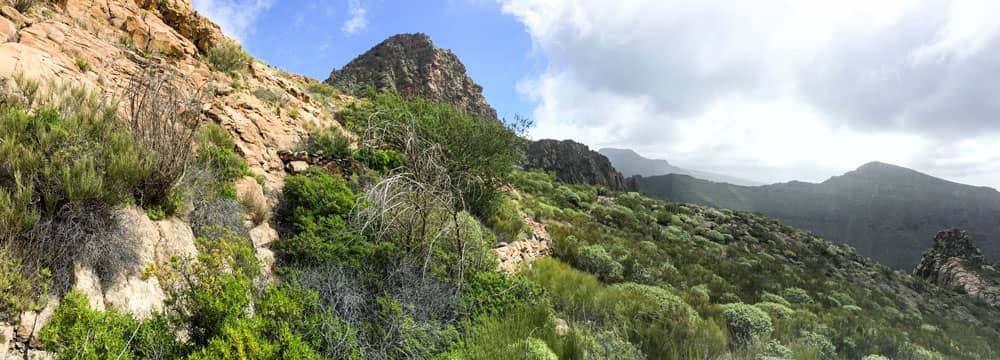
x=630, y=163
x=888, y=212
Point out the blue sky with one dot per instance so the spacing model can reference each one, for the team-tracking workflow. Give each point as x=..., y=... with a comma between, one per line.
x=769, y=90
x=312, y=37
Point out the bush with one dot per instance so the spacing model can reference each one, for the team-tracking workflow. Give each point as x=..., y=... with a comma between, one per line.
x=78, y=332
x=315, y=207
x=773, y=298
x=596, y=260
x=796, y=296
x=23, y=6
x=874, y=357
x=494, y=293
x=321, y=90
x=747, y=324
x=17, y=292
x=821, y=344
x=328, y=142
x=775, y=310
x=533, y=349
x=216, y=153
x=379, y=159
x=479, y=154
x=228, y=56
x=162, y=116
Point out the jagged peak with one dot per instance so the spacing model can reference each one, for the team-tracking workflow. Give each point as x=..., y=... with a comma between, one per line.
x=412, y=65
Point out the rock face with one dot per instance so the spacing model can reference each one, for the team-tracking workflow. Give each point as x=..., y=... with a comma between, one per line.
x=955, y=263
x=412, y=65
x=511, y=256
x=573, y=163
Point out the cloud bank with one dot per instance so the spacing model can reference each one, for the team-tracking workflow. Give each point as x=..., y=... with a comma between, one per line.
x=773, y=90
x=358, y=18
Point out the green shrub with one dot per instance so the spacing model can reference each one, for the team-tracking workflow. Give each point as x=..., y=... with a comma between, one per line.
x=822, y=345
x=17, y=213
x=747, y=324
x=78, y=332
x=80, y=159
x=328, y=142
x=216, y=153
x=269, y=96
x=379, y=159
x=797, y=296
x=773, y=298
x=479, y=154
x=875, y=357
x=321, y=90
x=17, y=292
x=533, y=349
x=315, y=207
x=775, y=310
x=228, y=56
x=494, y=293
x=775, y=350
x=596, y=260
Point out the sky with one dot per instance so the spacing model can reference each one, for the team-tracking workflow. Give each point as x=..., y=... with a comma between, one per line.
x=769, y=90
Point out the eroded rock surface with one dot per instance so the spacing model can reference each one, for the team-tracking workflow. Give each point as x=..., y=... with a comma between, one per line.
x=956, y=263
x=573, y=163
x=412, y=65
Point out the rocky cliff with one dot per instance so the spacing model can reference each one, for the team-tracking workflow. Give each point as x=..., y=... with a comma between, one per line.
x=101, y=45
x=412, y=65
x=955, y=263
x=573, y=163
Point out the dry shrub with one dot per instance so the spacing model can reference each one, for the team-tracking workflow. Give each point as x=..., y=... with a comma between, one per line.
x=163, y=115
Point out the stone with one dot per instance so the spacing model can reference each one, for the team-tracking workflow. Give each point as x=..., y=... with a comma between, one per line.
x=263, y=235
x=176, y=238
x=251, y=195
x=562, y=327
x=87, y=281
x=297, y=166
x=33, y=321
x=135, y=295
x=6, y=338
x=8, y=30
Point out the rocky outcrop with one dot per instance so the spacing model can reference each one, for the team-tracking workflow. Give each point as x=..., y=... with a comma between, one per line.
x=573, y=163
x=512, y=255
x=955, y=263
x=412, y=65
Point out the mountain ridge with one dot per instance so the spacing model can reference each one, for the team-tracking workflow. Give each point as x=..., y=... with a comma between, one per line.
x=630, y=163
x=887, y=211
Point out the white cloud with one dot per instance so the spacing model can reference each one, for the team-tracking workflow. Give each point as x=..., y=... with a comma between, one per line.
x=773, y=89
x=358, y=20
x=237, y=18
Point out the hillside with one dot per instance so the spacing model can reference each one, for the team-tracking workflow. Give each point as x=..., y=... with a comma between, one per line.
x=164, y=195
x=887, y=212
x=631, y=163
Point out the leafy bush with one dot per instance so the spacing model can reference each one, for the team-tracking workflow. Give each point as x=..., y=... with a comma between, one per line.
x=17, y=292
x=479, y=154
x=76, y=159
x=228, y=56
x=216, y=153
x=596, y=260
x=76, y=332
x=775, y=310
x=328, y=142
x=533, y=349
x=315, y=207
x=797, y=296
x=773, y=298
x=747, y=324
x=822, y=345
x=494, y=293
x=321, y=90
x=874, y=357
x=379, y=159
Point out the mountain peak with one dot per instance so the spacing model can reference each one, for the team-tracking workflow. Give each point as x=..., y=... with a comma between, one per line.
x=412, y=65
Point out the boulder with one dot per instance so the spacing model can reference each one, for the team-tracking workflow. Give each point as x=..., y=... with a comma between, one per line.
x=955, y=263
